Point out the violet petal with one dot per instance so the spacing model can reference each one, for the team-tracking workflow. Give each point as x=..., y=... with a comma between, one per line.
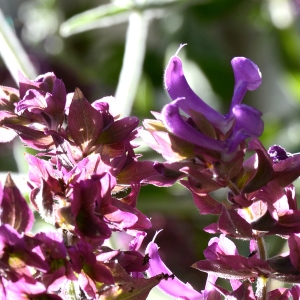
x=178, y=87
x=171, y=286
x=247, y=77
x=174, y=123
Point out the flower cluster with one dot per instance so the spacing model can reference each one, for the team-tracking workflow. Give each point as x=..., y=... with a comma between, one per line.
x=206, y=151
x=85, y=156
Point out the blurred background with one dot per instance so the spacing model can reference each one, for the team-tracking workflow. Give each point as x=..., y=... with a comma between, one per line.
x=122, y=47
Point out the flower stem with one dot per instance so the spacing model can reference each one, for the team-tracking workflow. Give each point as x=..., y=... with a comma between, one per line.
x=261, y=291
x=132, y=61
x=261, y=248
x=13, y=53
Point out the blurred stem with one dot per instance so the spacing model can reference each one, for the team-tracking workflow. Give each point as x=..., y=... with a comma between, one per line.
x=102, y=16
x=73, y=290
x=133, y=58
x=12, y=52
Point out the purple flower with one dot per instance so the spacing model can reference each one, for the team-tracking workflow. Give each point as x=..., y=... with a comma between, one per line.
x=38, y=107
x=7, y=98
x=52, y=249
x=28, y=290
x=170, y=284
x=87, y=224
x=295, y=291
x=204, y=126
x=89, y=270
x=223, y=260
x=277, y=153
x=16, y=255
x=44, y=97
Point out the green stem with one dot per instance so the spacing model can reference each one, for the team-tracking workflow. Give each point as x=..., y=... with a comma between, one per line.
x=261, y=248
x=132, y=61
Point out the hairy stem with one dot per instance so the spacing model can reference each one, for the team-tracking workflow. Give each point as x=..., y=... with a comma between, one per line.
x=261, y=291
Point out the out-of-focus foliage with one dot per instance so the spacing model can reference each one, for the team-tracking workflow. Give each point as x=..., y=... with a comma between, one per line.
x=267, y=32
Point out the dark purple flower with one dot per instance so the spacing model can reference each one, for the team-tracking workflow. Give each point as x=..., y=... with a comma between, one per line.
x=277, y=153
x=294, y=245
x=132, y=261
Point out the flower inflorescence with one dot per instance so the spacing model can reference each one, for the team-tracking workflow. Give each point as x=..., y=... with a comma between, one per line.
x=85, y=154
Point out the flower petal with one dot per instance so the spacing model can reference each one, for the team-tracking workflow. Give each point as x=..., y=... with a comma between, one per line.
x=178, y=87
x=172, y=285
x=248, y=124
x=247, y=77
x=174, y=123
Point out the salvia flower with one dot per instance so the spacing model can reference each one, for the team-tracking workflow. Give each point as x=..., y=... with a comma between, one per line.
x=86, y=156
x=170, y=284
x=200, y=128
x=242, y=120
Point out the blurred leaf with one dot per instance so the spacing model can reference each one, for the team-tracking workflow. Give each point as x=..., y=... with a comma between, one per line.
x=101, y=16
x=214, y=9
x=13, y=53
x=111, y=14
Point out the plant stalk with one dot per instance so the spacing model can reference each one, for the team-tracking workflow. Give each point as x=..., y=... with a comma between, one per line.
x=13, y=53
x=134, y=54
